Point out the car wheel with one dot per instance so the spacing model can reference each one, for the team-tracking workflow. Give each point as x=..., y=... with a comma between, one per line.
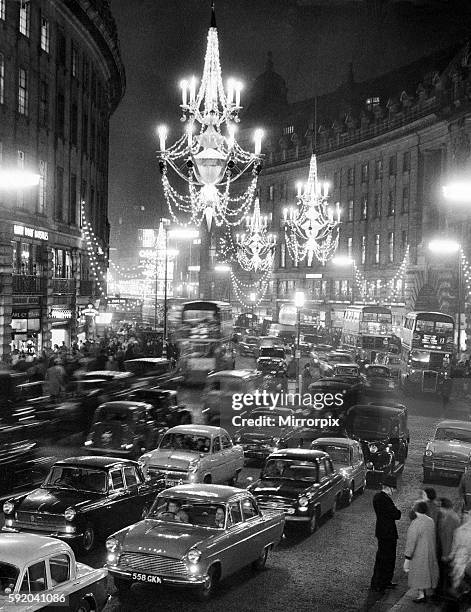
x=122, y=586
x=88, y=538
x=207, y=479
x=207, y=589
x=313, y=522
x=83, y=606
x=233, y=480
x=259, y=564
x=427, y=475
x=349, y=494
x=335, y=506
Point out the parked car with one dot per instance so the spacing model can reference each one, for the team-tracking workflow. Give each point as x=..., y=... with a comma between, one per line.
x=248, y=346
x=123, y=429
x=301, y=483
x=347, y=457
x=194, y=453
x=37, y=572
x=448, y=453
x=82, y=500
x=220, y=389
x=155, y=371
x=384, y=436
x=194, y=536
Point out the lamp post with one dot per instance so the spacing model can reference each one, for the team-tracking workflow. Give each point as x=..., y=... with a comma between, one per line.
x=299, y=303
x=344, y=261
x=451, y=247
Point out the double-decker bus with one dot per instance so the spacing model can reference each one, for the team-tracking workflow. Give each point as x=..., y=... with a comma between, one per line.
x=205, y=339
x=427, y=350
x=367, y=330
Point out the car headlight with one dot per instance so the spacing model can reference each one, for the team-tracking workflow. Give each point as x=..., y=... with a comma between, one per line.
x=428, y=453
x=193, y=467
x=88, y=442
x=303, y=501
x=373, y=449
x=112, y=544
x=70, y=514
x=8, y=507
x=194, y=555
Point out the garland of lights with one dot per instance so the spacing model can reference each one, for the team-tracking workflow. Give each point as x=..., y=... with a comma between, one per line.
x=366, y=289
x=260, y=287
x=91, y=240
x=213, y=161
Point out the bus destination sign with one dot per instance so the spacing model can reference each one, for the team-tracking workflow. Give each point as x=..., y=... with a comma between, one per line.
x=435, y=342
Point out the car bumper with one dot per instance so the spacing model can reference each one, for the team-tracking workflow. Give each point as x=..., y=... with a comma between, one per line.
x=438, y=467
x=70, y=538
x=191, y=581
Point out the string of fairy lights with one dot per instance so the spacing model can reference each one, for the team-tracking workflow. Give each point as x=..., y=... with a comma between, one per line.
x=94, y=251
x=395, y=285
x=466, y=275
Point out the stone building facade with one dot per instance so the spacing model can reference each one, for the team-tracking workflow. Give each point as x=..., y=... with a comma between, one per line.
x=61, y=78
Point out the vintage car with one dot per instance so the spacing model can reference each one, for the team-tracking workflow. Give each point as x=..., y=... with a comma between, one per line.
x=347, y=457
x=41, y=573
x=82, y=500
x=166, y=410
x=391, y=361
x=344, y=391
x=194, y=536
x=327, y=361
x=277, y=353
x=21, y=465
x=449, y=452
x=346, y=369
x=155, y=371
x=378, y=376
x=122, y=429
x=302, y=483
x=194, y=453
x=248, y=346
x=384, y=437
x=261, y=438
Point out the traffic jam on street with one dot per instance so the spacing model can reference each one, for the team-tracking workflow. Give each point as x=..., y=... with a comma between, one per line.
x=235, y=394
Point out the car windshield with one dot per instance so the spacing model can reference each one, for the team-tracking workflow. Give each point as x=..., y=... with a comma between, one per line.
x=337, y=358
x=450, y=433
x=338, y=454
x=188, y=512
x=374, y=371
x=370, y=426
x=186, y=442
x=108, y=414
x=347, y=370
x=8, y=577
x=291, y=469
x=77, y=478
x=272, y=351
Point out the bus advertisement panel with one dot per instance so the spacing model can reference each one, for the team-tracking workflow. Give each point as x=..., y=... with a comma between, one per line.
x=367, y=330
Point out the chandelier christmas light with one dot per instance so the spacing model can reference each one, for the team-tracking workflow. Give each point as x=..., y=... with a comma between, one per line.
x=209, y=161
x=310, y=228
x=255, y=249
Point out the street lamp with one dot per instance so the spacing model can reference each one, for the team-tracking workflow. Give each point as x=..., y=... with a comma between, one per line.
x=451, y=247
x=344, y=261
x=18, y=179
x=458, y=191
x=299, y=300
x=224, y=269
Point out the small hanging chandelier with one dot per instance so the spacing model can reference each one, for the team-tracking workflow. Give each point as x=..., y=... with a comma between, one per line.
x=205, y=158
x=312, y=227
x=255, y=249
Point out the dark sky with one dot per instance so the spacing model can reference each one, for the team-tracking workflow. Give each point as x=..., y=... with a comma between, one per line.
x=163, y=41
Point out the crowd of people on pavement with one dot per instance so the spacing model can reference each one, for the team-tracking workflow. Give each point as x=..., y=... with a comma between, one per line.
x=437, y=554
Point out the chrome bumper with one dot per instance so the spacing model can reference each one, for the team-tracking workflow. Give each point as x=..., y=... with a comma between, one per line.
x=191, y=581
x=60, y=535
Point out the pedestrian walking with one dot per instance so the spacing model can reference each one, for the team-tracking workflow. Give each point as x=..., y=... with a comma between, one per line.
x=420, y=554
x=55, y=380
x=448, y=523
x=429, y=496
x=386, y=533
x=307, y=378
x=445, y=392
x=464, y=489
x=461, y=555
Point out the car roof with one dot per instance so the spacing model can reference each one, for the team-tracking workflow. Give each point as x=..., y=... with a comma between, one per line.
x=125, y=405
x=154, y=360
x=20, y=548
x=452, y=423
x=297, y=453
x=233, y=374
x=204, y=492
x=347, y=364
x=339, y=441
x=370, y=408
x=95, y=461
x=106, y=374
x=197, y=429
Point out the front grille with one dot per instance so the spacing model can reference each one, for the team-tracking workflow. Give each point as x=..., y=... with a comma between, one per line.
x=275, y=503
x=167, y=473
x=153, y=564
x=450, y=462
x=40, y=521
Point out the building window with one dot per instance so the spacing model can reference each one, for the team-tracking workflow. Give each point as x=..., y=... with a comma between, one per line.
x=45, y=34
x=289, y=129
x=59, y=199
x=85, y=74
x=364, y=207
x=2, y=9
x=2, y=78
x=351, y=176
x=364, y=172
x=392, y=165
x=93, y=139
x=25, y=18
x=372, y=102
x=377, y=205
x=404, y=240
x=44, y=103
x=73, y=124
x=378, y=169
x=61, y=48
x=350, y=210
x=85, y=133
x=405, y=198
x=336, y=179
x=42, y=202
x=377, y=249
x=74, y=62
x=283, y=255
x=73, y=200
x=363, y=249
x=391, y=247
x=22, y=91
x=391, y=202
x=60, y=115
x=406, y=161
x=350, y=246
x=271, y=193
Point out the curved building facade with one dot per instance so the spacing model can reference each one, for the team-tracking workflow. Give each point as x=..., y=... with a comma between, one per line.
x=61, y=78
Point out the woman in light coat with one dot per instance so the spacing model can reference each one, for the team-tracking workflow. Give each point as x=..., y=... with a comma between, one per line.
x=421, y=557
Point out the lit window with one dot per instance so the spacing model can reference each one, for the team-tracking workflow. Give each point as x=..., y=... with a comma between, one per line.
x=372, y=102
x=22, y=91
x=391, y=247
x=364, y=172
x=364, y=207
x=25, y=13
x=74, y=62
x=288, y=130
x=363, y=249
x=45, y=35
x=271, y=193
x=391, y=202
x=377, y=248
x=2, y=78
x=42, y=187
x=20, y=195
x=2, y=9
x=350, y=210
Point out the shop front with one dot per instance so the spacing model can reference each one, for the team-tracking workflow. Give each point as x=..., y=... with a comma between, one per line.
x=61, y=323
x=26, y=334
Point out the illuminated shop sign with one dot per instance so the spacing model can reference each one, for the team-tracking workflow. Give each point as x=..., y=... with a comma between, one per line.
x=30, y=232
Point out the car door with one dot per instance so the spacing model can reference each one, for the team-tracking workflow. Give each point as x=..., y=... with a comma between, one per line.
x=217, y=461
x=139, y=493
x=235, y=538
x=120, y=502
x=231, y=455
x=255, y=536
x=326, y=491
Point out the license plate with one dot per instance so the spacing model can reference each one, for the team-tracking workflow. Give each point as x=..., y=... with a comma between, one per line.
x=171, y=482
x=146, y=578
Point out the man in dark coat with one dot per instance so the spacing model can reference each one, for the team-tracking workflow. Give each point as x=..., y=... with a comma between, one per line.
x=386, y=533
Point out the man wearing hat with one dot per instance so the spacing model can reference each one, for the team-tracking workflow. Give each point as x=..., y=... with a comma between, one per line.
x=386, y=533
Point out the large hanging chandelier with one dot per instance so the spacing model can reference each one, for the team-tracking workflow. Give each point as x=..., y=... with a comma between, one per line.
x=207, y=159
x=312, y=227
x=255, y=249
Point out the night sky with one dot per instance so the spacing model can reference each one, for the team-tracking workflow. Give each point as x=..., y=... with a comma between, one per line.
x=163, y=41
